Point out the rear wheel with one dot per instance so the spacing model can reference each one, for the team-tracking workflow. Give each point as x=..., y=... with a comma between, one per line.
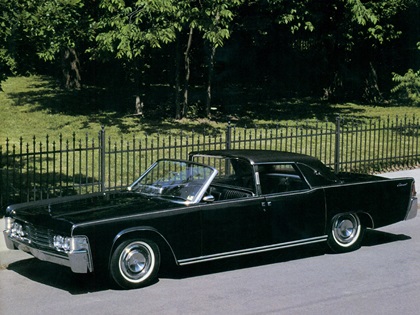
x=346, y=233
x=135, y=263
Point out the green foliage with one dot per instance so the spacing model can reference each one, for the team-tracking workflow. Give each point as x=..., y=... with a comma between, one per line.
x=408, y=86
x=214, y=20
x=350, y=20
x=34, y=30
x=54, y=25
x=338, y=34
x=51, y=25
x=7, y=18
x=125, y=30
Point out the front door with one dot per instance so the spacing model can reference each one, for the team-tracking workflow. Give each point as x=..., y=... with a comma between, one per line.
x=234, y=225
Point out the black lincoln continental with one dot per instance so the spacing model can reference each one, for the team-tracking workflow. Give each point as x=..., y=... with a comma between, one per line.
x=214, y=205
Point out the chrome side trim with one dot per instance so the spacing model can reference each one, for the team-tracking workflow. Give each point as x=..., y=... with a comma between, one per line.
x=412, y=209
x=254, y=250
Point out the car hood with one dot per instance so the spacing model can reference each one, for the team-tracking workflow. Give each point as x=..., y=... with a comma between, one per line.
x=91, y=207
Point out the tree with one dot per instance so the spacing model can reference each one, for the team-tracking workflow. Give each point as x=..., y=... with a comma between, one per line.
x=212, y=19
x=6, y=21
x=216, y=28
x=48, y=29
x=336, y=48
x=349, y=34
x=128, y=30
x=14, y=46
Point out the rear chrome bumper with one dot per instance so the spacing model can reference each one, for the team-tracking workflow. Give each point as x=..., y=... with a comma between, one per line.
x=412, y=209
x=78, y=261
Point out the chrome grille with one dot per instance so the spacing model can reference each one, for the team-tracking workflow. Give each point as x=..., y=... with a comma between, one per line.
x=39, y=236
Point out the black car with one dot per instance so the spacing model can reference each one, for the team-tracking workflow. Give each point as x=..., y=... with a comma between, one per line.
x=217, y=204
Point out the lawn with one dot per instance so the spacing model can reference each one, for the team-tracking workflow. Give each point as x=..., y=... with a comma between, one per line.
x=37, y=106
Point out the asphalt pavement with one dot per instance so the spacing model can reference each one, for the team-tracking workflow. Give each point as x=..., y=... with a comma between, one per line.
x=9, y=256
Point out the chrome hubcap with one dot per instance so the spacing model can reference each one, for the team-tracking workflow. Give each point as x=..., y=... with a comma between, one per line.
x=346, y=229
x=136, y=261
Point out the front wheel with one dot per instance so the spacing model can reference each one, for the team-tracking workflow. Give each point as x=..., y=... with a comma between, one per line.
x=346, y=233
x=135, y=263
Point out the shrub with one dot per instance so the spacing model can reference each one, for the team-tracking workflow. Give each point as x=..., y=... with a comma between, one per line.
x=408, y=86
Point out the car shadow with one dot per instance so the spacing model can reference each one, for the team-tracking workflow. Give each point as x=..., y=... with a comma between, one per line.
x=376, y=237
x=63, y=278
x=59, y=277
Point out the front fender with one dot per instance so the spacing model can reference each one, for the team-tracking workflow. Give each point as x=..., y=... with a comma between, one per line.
x=143, y=232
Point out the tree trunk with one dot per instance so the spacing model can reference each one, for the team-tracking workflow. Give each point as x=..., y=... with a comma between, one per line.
x=187, y=73
x=177, y=78
x=141, y=79
x=209, y=81
x=139, y=106
x=371, y=92
x=71, y=68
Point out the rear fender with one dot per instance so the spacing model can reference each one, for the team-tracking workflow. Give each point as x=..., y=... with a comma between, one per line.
x=366, y=220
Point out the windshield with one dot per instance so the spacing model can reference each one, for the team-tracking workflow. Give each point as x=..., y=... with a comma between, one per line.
x=180, y=181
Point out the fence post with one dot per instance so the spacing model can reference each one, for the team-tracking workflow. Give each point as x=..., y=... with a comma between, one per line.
x=337, y=145
x=228, y=136
x=102, y=157
x=2, y=185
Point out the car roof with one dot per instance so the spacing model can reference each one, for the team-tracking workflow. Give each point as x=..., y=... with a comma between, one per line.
x=261, y=156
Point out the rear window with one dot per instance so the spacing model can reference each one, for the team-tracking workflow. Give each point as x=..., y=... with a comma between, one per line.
x=316, y=177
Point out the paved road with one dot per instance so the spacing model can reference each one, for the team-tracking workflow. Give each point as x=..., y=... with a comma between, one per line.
x=383, y=277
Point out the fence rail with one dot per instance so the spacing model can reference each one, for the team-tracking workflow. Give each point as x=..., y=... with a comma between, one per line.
x=38, y=170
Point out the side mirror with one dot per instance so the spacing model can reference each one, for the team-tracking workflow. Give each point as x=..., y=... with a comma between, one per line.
x=208, y=198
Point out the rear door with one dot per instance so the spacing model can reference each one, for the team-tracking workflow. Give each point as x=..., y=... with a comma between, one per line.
x=296, y=212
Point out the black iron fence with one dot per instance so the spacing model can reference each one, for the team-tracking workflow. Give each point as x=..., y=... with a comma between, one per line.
x=43, y=169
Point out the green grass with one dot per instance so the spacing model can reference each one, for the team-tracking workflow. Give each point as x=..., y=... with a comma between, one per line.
x=37, y=106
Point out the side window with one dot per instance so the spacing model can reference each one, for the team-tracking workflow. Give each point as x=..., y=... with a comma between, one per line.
x=280, y=178
x=315, y=177
x=231, y=172
x=243, y=174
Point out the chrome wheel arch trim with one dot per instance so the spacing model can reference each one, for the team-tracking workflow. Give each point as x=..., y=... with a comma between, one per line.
x=141, y=229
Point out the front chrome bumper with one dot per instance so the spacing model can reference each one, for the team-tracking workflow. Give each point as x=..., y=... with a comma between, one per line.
x=412, y=209
x=78, y=261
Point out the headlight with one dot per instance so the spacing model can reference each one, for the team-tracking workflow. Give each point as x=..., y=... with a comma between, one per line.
x=69, y=244
x=18, y=231
x=61, y=243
